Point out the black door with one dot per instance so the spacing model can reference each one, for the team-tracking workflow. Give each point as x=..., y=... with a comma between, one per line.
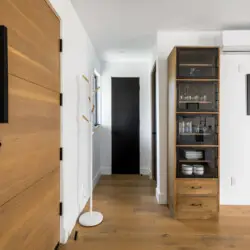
x=125, y=126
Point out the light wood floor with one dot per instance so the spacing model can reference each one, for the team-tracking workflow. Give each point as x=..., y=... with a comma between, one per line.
x=134, y=221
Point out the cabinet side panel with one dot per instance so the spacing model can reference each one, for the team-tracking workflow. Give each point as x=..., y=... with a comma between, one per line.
x=171, y=129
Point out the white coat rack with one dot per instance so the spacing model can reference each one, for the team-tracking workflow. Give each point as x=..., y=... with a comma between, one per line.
x=91, y=218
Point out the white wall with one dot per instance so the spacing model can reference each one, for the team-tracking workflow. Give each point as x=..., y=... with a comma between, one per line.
x=235, y=125
x=96, y=155
x=167, y=40
x=235, y=131
x=165, y=43
x=126, y=69
x=78, y=58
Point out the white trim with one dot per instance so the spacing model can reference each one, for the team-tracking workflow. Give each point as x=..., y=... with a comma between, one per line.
x=96, y=178
x=106, y=170
x=145, y=171
x=160, y=197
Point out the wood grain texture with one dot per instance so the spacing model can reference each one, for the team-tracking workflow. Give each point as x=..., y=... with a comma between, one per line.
x=133, y=220
x=178, y=187
x=196, y=80
x=29, y=220
x=197, y=187
x=171, y=138
x=196, y=207
x=33, y=42
x=31, y=140
x=218, y=197
x=29, y=155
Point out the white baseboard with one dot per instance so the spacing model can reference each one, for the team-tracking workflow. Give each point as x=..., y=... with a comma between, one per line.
x=106, y=170
x=160, y=197
x=97, y=178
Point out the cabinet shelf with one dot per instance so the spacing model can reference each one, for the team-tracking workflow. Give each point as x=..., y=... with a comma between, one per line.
x=193, y=107
x=190, y=134
x=197, y=113
x=198, y=102
x=197, y=146
x=193, y=176
x=193, y=161
x=196, y=80
x=197, y=65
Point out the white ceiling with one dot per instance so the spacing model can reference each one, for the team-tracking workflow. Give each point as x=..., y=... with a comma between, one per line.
x=127, y=28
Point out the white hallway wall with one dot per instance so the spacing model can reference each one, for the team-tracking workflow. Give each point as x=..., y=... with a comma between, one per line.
x=235, y=125
x=96, y=155
x=126, y=69
x=235, y=130
x=78, y=58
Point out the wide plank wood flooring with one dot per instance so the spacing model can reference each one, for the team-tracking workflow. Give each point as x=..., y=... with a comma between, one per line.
x=134, y=221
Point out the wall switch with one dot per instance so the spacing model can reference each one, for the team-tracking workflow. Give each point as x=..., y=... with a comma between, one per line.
x=233, y=181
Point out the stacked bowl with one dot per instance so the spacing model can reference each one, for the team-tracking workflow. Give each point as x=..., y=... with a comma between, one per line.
x=193, y=155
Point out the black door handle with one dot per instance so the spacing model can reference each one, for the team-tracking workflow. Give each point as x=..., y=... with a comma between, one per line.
x=154, y=133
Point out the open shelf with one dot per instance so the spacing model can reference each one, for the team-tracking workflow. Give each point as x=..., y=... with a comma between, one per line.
x=189, y=134
x=208, y=173
x=198, y=102
x=197, y=146
x=196, y=80
x=196, y=65
x=198, y=112
x=193, y=161
x=193, y=176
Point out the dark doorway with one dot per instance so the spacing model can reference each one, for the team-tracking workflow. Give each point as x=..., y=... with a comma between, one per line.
x=154, y=123
x=125, y=126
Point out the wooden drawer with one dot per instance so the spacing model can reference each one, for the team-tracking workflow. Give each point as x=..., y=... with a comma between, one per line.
x=197, y=187
x=196, y=207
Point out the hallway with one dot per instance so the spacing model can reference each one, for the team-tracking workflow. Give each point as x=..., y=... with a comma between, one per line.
x=133, y=220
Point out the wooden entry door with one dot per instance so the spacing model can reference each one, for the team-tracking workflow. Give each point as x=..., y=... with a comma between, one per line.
x=30, y=142
x=125, y=126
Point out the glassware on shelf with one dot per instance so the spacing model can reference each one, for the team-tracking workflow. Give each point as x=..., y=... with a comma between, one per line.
x=205, y=128
x=196, y=98
x=192, y=71
x=196, y=129
x=210, y=129
x=188, y=98
x=188, y=127
x=181, y=127
x=203, y=98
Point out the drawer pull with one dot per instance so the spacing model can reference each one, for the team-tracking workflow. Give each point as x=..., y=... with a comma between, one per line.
x=196, y=204
x=193, y=187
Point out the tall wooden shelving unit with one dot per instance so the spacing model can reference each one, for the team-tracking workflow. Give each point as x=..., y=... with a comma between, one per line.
x=193, y=132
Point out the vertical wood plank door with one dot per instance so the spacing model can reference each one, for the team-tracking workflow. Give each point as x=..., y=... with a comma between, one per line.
x=30, y=142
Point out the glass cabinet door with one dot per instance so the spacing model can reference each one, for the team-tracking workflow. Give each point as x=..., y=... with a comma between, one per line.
x=197, y=129
x=197, y=63
x=197, y=96
x=197, y=162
